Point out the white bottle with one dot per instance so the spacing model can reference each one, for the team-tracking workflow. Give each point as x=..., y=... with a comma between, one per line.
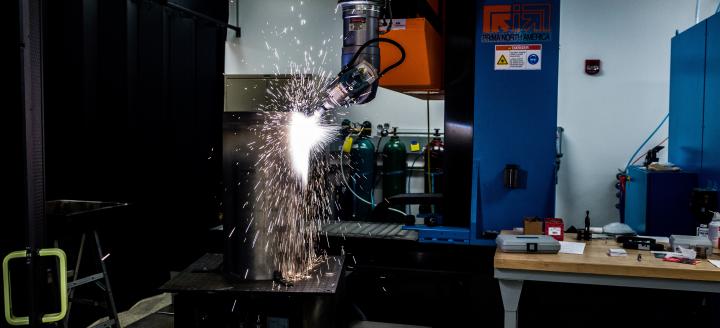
x=714, y=230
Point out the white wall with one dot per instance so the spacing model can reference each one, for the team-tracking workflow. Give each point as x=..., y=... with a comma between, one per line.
x=606, y=117
x=265, y=20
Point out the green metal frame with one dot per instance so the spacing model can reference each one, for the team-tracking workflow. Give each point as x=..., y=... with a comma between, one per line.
x=47, y=318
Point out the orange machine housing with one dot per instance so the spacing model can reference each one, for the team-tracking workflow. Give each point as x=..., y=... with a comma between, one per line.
x=422, y=69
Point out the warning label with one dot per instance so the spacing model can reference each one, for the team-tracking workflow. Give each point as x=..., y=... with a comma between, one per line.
x=502, y=60
x=518, y=57
x=357, y=24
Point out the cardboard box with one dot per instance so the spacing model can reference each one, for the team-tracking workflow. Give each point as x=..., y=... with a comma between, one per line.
x=532, y=226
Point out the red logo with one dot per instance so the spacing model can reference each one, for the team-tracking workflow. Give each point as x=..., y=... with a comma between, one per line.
x=527, y=22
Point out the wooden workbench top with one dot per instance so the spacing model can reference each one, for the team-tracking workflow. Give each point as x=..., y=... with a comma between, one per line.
x=596, y=261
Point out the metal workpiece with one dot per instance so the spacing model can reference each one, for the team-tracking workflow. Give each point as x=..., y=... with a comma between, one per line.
x=266, y=209
x=205, y=276
x=244, y=223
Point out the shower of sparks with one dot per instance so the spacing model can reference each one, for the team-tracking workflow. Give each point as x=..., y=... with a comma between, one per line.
x=305, y=134
x=291, y=196
x=294, y=189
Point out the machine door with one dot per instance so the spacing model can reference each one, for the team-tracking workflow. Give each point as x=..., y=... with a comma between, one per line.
x=28, y=268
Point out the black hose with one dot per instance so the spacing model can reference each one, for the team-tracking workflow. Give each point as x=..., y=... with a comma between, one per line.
x=412, y=166
x=377, y=40
x=377, y=148
x=377, y=178
x=388, y=12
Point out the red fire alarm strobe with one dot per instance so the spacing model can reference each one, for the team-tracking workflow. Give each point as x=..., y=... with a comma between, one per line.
x=592, y=66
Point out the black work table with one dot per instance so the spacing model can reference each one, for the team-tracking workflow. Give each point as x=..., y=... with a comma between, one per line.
x=204, y=296
x=205, y=275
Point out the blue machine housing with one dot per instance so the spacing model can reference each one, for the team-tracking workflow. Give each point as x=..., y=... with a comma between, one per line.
x=515, y=121
x=687, y=88
x=658, y=203
x=695, y=101
x=710, y=172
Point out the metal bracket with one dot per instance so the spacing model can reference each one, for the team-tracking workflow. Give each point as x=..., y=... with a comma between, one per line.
x=85, y=280
x=205, y=17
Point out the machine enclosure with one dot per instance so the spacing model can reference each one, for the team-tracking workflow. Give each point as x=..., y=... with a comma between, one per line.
x=695, y=101
x=658, y=203
x=515, y=119
x=422, y=69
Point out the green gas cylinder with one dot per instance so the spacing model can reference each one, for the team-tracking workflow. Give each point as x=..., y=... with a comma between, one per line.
x=362, y=161
x=394, y=159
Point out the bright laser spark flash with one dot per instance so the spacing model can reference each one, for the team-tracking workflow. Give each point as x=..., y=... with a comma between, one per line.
x=292, y=197
x=305, y=134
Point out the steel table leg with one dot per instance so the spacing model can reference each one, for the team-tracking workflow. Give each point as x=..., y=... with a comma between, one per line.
x=510, y=291
x=113, y=316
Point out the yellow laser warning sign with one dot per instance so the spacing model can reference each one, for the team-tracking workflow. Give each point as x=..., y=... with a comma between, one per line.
x=502, y=60
x=519, y=57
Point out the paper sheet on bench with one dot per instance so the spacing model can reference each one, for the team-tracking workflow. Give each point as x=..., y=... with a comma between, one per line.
x=569, y=247
x=715, y=263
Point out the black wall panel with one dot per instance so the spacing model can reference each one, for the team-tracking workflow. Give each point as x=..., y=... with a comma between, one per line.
x=133, y=114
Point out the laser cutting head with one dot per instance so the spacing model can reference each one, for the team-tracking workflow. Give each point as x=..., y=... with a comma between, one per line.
x=357, y=82
x=351, y=85
x=360, y=24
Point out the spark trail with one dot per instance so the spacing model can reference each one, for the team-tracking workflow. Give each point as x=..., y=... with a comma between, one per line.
x=293, y=192
x=294, y=182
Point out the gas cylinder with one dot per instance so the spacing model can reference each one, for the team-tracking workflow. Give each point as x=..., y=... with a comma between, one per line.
x=434, y=172
x=394, y=159
x=362, y=177
x=344, y=197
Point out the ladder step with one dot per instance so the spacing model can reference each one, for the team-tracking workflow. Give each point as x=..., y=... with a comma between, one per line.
x=85, y=280
x=101, y=285
x=105, y=324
